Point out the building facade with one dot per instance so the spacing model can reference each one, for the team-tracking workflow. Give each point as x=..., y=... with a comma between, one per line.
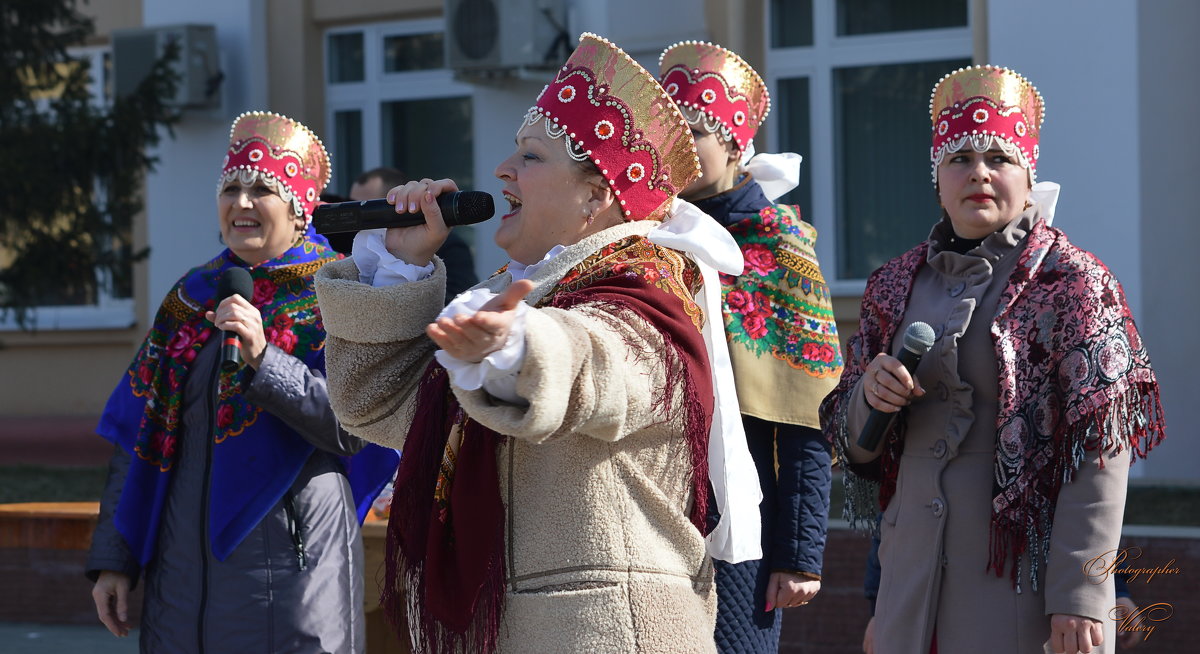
x=850, y=82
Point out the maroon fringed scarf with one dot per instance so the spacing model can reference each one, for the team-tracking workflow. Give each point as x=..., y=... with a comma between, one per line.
x=445, y=545
x=1074, y=376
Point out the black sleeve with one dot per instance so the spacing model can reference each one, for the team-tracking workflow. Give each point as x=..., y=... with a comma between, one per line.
x=460, y=265
x=109, y=550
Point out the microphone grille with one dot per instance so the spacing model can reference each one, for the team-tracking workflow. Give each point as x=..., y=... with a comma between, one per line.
x=235, y=281
x=473, y=207
x=919, y=337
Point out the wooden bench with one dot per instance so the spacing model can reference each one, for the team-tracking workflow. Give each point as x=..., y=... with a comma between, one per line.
x=43, y=550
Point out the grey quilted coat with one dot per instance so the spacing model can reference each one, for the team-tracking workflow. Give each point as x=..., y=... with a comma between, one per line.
x=295, y=584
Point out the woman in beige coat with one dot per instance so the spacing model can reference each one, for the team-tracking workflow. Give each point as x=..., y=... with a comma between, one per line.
x=556, y=446
x=1005, y=471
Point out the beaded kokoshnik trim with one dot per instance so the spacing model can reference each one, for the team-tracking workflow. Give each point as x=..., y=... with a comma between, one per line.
x=608, y=110
x=984, y=107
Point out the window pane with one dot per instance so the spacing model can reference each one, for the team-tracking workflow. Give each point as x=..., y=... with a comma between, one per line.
x=791, y=23
x=874, y=16
x=429, y=138
x=794, y=136
x=346, y=58
x=347, y=153
x=886, y=202
x=413, y=52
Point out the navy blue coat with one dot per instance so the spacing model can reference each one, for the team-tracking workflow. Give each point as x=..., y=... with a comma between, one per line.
x=795, y=506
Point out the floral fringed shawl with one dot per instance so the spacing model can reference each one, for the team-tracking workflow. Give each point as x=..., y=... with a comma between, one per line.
x=1074, y=376
x=445, y=544
x=144, y=411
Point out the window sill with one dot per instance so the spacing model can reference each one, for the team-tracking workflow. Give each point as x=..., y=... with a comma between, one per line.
x=112, y=315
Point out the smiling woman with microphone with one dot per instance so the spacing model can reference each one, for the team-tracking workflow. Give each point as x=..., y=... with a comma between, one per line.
x=232, y=491
x=1005, y=468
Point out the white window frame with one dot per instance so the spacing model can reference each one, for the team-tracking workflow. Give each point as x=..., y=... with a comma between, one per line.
x=817, y=62
x=378, y=87
x=108, y=312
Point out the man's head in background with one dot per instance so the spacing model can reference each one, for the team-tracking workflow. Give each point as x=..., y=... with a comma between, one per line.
x=375, y=183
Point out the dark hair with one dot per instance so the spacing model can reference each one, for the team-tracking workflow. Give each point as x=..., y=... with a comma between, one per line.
x=391, y=177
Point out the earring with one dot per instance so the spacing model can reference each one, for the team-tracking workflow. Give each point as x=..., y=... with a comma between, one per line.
x=589, y=217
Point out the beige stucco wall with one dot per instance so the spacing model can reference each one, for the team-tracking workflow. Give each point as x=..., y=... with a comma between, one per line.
x=110, y=15
x=62, y=373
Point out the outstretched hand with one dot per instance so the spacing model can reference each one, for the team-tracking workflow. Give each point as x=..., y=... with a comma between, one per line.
x=472, y=337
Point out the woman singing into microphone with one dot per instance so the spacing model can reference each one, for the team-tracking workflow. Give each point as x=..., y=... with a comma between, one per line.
x=556, y=419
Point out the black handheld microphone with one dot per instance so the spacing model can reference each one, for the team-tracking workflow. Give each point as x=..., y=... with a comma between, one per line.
x=234, y=281
x=918, y=338
x=458, y=208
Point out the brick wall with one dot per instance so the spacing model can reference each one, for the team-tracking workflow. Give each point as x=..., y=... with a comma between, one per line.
x=50, y=588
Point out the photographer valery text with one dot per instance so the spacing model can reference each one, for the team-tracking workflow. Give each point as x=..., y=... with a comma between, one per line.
x=1119, y=561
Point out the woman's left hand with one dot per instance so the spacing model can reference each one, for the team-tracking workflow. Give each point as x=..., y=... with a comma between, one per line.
x=1071, y=634
x=785, y=590
x=471, y=338
x=236, y=314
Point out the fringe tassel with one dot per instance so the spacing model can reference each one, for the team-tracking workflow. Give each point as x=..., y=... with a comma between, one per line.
x=407, y=588
x=679, y=377
x=1130, y=420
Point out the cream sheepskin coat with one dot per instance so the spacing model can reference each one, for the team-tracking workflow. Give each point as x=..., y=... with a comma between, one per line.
x=595, y=481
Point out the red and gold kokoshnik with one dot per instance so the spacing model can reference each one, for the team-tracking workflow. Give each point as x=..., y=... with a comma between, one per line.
x=612, y=111
x=283, y=149
x=718, y=83
x=985, y=104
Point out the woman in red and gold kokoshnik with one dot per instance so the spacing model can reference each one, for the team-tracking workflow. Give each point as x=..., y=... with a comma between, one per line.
x=1006, y=469
x=782, y=337
x=561, y=421
x=234, y=494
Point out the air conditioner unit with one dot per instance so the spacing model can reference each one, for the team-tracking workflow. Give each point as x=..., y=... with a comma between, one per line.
x=499, y=35
x=136, y=50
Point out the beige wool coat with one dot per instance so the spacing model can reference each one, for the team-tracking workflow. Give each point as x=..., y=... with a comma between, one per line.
x=934, y=533
x=595, y=482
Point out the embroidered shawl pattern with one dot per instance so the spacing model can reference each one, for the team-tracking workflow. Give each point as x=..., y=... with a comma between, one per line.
x=1074, y=376
x=446, y=529
x=144, y=411
x=781, y=305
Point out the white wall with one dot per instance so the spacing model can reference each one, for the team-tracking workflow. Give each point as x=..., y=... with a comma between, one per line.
x=1120, y=89
x=1082, y=55
x=498, y=110
x=1169, y=90
x=181, y=200
x=497, y=117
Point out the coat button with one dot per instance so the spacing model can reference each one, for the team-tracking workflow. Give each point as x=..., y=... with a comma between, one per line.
x=943, y=391
x=938, y=507
x=957, y=289
x=939, y=448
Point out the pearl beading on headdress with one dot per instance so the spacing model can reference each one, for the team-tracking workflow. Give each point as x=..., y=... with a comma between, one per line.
x=986, y=106
x=284, y=153
x=715, y=83
x=645, y=154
